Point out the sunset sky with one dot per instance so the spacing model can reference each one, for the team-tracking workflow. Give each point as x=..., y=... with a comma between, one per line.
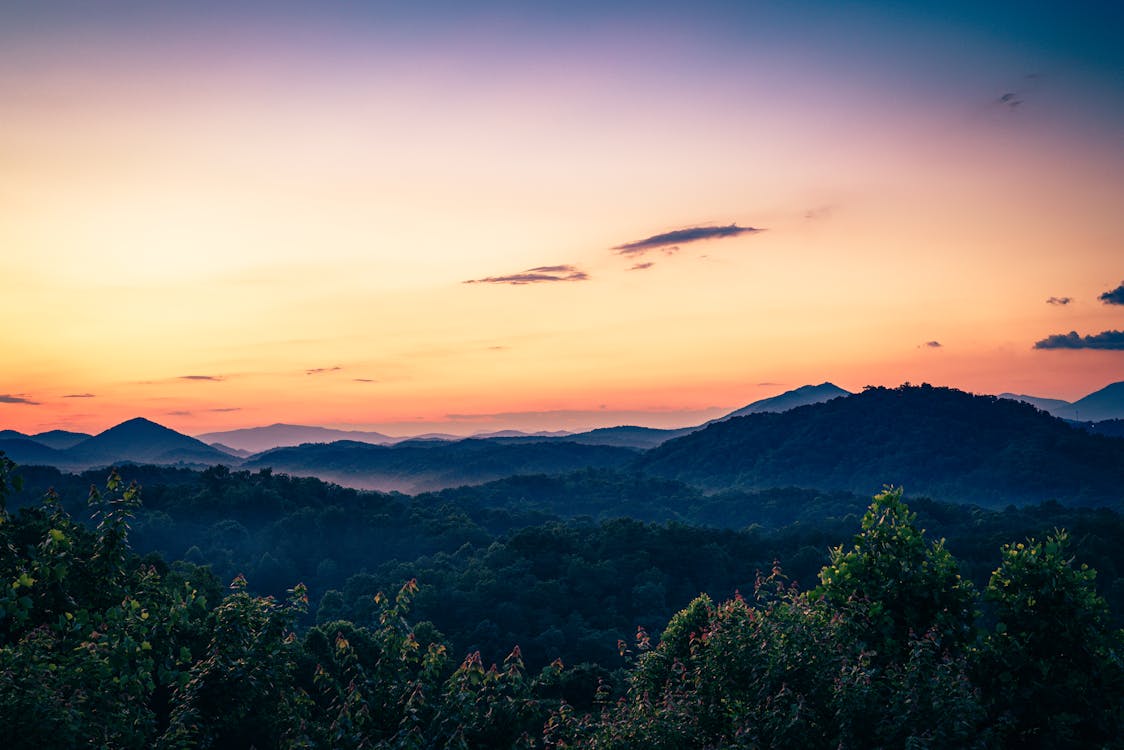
x=228, y=214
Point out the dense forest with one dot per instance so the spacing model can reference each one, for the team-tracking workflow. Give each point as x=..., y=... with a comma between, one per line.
x=238, y=609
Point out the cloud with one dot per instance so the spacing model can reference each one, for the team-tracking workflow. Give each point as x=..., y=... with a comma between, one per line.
x=641, y=266
x=363, y=380
x=1113, y=296
x=1059, y=300
x=226, y=408
x=536, y=276
x=10, y=398
x=933, y=344
x=668, y=240
x=1104, y=340
x=322, y=370
x=79, y=395
x=210, y=378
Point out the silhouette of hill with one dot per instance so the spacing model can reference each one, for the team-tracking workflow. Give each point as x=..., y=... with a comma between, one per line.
x=1048, y=405
x=802, y=396
x=1107, y=403
x=939, y=442
x=258, y=439
x=142, y=441
x=418, y=466
x=24, y=450
x=1098, y=406
x=60, y=439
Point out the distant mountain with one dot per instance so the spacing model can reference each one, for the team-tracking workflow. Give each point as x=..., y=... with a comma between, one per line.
x=24, y=450
x=521, y=434
x=939, y=442
x=1049, y=405
x=57, y=439
x=258, y=439
x=141, y=441
x=239, y=453
x=642, y=438
x=1107, y=403
x=802, y=396
x=417, y=466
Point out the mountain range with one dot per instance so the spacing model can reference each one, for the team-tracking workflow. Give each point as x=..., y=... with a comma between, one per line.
x=936, y=441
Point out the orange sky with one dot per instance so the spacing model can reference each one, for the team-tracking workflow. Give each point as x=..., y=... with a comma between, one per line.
x=220, y=225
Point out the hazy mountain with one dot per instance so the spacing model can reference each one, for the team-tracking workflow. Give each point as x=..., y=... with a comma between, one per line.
x=258, y=439
x=935, y=441
x=1107, y=403
x=802, y=396
x=57, y=439
x=1049, y=405
x=60, y=439
x=416, y=466
x=142, y=441
x=629, y=436
x=237, y=452
x=24, y=450
x=521, y=434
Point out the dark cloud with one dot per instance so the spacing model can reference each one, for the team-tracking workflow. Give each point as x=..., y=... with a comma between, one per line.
x=211, y=378
x=322, y=370
x=933, y=344
x=1113, y=296
x=79, y=395
x=10, y=398
x=536, y=276
x=1103, y=340
x=678, y=237
x=363, y=380
x=1059, y=300
x=642, y=266
x=1012, y=100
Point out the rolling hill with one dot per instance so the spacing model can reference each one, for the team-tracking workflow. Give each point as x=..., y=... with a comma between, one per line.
x=939, y=442
x=417, y=466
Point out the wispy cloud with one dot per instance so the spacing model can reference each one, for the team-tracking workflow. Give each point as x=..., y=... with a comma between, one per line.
x=1104, y=340
x=363, y=380
x=79, y=395
x=536, y=276
x=1058, y=300
x=11, y=398
x=208, y=378
x=642, y=266
x=225, y=409
x=1113, y=296
x=933, y=344
x=681, y=237
x=322, y=370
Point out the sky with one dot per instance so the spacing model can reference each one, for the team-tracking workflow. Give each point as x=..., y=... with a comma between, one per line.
x=476, y=216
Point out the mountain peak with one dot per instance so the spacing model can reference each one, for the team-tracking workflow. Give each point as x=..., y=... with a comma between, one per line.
x=802, y=396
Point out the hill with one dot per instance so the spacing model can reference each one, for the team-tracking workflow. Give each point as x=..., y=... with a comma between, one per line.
x=135, y=441
x=258, y=439
x=939, y=442
x=1102, y=405
x=802, y=396
x=418, y=466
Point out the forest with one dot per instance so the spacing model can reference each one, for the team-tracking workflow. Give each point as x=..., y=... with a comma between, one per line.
x=597, y=609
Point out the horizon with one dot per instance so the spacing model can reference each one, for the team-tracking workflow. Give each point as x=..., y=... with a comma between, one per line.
x=414, y=430
x=439, y=218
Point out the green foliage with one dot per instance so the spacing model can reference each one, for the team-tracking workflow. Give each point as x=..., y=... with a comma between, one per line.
x=1053, y=669
x=894, y=585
